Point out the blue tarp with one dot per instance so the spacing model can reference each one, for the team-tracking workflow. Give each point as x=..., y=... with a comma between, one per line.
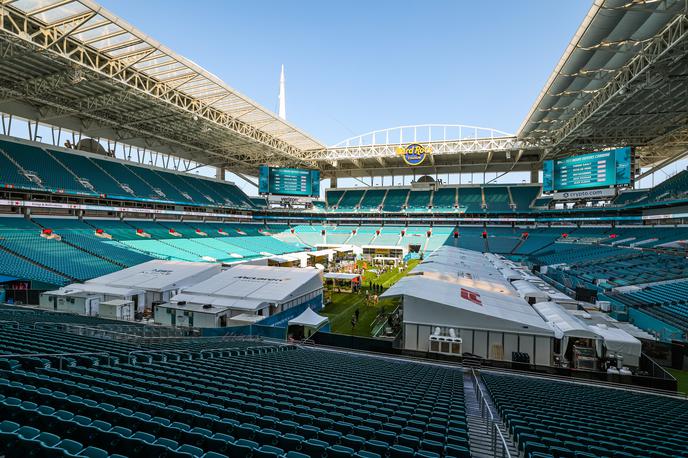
x=5, y=279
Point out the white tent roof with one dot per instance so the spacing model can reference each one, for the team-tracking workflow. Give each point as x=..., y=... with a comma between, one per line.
x=511, y=274
x=440, y=303
x=618, y=341
x=484, y=286
x=200, y=308
x=562, y=322
x=457, y=287
x=308, y=318
x=289, y=257
x=341, y=275
x=459, y=268
x=454, y=264
x=88, y=288
x=159, y=275
x=220, y=301
x=251, y=287
x=325, y=252
x=527, y=289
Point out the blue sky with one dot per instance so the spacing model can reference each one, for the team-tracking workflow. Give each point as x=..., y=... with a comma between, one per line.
x=357, y=66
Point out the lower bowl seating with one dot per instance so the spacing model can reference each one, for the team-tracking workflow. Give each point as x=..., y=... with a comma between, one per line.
x=258, y=401
x=561, y=419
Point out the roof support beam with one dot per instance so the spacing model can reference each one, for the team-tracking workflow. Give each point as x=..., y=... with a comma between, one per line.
x=675, y=32
x=60, y=42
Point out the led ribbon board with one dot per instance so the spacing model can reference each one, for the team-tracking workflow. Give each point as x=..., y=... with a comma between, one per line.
x=289, y=182
x=595, y=170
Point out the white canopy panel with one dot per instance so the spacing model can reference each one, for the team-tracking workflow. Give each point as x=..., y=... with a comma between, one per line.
x=563, y=323
x=248, y=286
x=159, y=275
x=438, y=303
x=308, y=318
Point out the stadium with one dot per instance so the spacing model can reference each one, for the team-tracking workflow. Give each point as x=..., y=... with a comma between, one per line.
x=150, y=310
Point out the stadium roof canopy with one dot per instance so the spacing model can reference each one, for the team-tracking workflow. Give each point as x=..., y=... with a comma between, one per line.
x=75, y=65
x=623, y=80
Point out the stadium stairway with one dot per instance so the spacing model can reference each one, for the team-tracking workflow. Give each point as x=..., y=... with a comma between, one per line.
x=517, y=246
x=480, y=438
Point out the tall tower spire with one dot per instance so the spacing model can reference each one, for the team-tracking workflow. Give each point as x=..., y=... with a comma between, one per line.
x=282, y=97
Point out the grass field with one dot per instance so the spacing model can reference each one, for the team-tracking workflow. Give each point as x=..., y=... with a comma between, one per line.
x=389, y=278
x=344, y=305
x=682, y=379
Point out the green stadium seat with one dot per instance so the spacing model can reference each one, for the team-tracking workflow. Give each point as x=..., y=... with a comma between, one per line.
x=400, y=451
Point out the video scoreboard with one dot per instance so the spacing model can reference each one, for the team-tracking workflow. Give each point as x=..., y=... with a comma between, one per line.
x=595, y=170
x=289, y=182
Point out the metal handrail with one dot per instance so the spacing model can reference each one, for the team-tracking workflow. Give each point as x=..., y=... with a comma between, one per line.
x=88, y=331
x=60, y=355
x=137, y=336
x=16, y=323
x=505, y=448
x=211, y=338
x=588, y=382
x=492, y=427
x=201, y=352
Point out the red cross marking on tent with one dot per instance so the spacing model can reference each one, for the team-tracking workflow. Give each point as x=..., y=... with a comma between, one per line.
x=471, y=296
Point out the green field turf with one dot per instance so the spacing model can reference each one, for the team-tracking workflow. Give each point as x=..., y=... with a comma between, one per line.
x=389, y=278
x=343, y=305
x=682, y=379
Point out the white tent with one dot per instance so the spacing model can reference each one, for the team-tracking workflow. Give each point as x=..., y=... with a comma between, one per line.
x=530, y=292
x=440, y=303
x=460, y=291
x=308, y=318
x=246, y=288
x=563, y=323
x=620, y=342
x=306, y=324
x=159, y=279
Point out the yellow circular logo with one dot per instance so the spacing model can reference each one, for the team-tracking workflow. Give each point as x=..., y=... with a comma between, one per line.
x=414, y=154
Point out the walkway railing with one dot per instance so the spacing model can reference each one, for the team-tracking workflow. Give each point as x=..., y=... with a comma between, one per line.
x=200, y=353
x=497, y=440
x=124, y=333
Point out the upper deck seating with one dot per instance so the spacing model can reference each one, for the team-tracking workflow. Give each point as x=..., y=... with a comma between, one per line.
x=395, y=200
x=471, y=199
x=350, y=200
x=372, y=199
x=444, y=199
x=53, y=175
x=418, y=201
x=524, y=196
x=496, y=198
